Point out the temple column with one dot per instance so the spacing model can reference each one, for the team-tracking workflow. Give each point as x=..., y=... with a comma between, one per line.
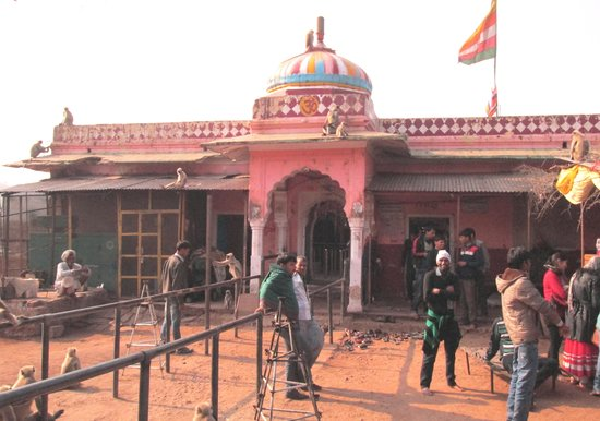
x=357, y=226
x=256, y=258
x=281, y=220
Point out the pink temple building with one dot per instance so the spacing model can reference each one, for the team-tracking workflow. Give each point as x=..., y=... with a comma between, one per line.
x=276, y=183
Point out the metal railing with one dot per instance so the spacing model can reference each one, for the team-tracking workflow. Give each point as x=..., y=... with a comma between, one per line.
x=329, y=287
x=145, y=358
x=46, y=319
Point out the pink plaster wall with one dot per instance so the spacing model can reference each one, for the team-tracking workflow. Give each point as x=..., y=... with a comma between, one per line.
x=268, y=168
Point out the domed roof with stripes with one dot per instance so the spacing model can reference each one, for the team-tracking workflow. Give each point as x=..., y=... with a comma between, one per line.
x=319, y=66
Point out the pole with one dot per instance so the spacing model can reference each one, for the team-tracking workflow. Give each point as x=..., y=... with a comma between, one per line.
x=51, y=274
x=207, y=269
x=528, y=222
x=245, y=239
x=215, y=376
x=259, y=351
x=45, y=366
x=582, y=232
x=144, y=390
x=116, y=351
x=330, y=315
x=495, y=88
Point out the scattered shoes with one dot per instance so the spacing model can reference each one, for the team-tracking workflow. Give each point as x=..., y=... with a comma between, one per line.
x=184, y=350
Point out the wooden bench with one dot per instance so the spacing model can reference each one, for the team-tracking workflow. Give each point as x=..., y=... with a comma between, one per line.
x=496, y=368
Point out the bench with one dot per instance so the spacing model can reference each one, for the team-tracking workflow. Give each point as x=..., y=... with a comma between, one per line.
x=496, y=368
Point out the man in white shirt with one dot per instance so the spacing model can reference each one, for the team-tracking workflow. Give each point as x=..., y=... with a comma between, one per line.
x=310, y=336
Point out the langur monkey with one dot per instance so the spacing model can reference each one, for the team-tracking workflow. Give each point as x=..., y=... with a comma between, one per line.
x=182, y=180
x=228, y=299
x=22, y=409
x=235, y=267
x=309, y=40
x=7, y=413
x=70, y=363
x=341, y=130
x=580, y=148
x=203, y=412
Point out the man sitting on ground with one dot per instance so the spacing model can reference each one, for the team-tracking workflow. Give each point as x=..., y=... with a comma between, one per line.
x=500, y=341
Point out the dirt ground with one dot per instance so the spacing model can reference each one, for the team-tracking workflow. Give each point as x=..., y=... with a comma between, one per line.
x=379, y=383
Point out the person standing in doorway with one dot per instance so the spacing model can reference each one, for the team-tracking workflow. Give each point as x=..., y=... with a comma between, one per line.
x=482, y=293
x=468, y=269
x=521, y=304
x=175, y=276
x=441, y=291
x=421, y=247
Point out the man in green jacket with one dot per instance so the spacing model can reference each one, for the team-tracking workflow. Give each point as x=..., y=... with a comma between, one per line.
x=278, y=284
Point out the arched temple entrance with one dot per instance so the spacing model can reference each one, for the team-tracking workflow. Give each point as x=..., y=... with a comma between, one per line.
x=328, y=238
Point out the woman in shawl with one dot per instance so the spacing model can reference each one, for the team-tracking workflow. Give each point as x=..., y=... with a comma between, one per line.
x=580, y=354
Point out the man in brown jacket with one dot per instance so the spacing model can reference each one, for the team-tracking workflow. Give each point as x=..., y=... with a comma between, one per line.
x=174, y=277
x=521, y=304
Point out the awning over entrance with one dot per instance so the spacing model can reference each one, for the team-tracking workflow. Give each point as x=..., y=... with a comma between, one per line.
x=73, y=184
x=452, y=183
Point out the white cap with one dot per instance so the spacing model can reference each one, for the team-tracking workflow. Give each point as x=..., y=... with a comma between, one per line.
x=442, y=253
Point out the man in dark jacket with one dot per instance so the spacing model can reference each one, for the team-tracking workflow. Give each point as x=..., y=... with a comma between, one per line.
x=174, y=277
x=421, y=247
x=521, y=305
x=441, y=291
x=278, y=283
x=468, y=268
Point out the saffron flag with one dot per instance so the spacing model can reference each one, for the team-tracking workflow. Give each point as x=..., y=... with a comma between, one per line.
x=492, y=106
x=482, y=44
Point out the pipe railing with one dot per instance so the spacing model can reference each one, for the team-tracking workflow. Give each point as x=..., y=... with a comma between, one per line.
x=46, y=319
x=144, y=358
x=329, y=287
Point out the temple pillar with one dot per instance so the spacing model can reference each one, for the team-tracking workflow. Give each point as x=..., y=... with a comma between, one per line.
x=357, y=225
x=257, y=225
x=281, y=219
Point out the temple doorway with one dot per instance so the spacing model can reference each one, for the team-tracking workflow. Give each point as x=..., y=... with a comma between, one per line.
x=328, y=237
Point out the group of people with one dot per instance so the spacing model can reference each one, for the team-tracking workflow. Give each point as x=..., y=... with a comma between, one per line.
x=472, y=264
x=571, y=311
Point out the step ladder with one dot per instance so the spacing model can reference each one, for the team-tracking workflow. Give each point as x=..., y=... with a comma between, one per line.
x=274, y=383
x=145, y=323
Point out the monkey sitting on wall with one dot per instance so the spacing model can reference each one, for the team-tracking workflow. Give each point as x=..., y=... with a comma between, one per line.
x=203, y=412
x=70, y=363
x=580, y=148
x=341, y=130
x=181, y=183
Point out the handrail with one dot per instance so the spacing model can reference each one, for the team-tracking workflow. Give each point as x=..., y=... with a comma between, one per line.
x=44, y=318
x=328, y=288
x=63, y=381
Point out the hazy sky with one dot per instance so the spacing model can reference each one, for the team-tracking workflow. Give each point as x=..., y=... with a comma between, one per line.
x=131, y=61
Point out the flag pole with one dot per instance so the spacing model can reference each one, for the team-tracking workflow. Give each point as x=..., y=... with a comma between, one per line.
x=495, y=54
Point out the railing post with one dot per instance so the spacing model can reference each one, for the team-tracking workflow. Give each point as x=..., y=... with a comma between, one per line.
x=167, y=333
x=259, y=354
x=235, y=307
x=215, y=376
x=326, y=262
x=45, y=366
x=144, y=390
x=116, y=351
x=342, y=300
x=330, y=315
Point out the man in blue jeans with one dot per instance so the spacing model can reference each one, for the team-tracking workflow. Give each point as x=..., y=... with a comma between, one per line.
x=521, y=303
x=174, y=277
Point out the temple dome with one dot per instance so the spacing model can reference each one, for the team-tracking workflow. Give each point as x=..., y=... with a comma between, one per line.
x=318, y=67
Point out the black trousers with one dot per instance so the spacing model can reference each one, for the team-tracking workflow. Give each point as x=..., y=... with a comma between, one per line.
x=555, y=343
x=450, y=335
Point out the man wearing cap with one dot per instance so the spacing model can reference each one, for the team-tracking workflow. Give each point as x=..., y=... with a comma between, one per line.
x=440, y=290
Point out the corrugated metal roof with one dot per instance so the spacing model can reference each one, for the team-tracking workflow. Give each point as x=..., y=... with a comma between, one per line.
x=452, y=183
x=127, y=183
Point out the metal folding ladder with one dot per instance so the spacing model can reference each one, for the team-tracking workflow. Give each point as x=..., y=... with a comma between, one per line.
x=271, y=385
x=145, y=322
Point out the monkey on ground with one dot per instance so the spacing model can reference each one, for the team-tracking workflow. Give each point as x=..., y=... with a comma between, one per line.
x=181, y=183
x=7, y=413
x=70, y=363
x=203, y=412
x=22, y=409
x=228, y=299
x=341, y=130
x=580, y=148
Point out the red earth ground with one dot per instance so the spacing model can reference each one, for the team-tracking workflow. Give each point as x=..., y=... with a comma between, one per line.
x=379, y=383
